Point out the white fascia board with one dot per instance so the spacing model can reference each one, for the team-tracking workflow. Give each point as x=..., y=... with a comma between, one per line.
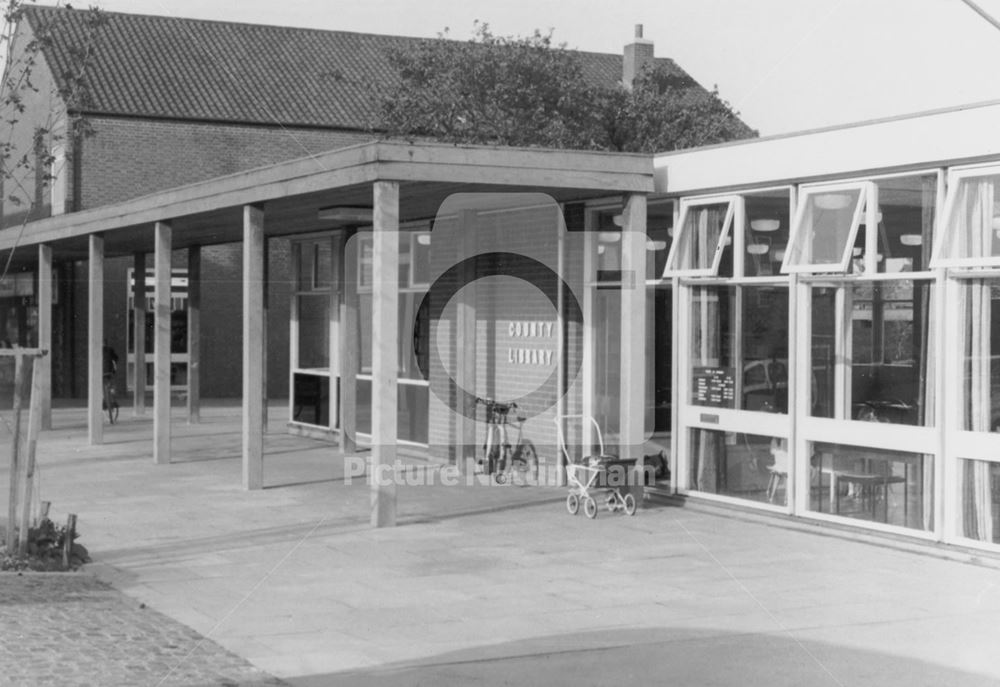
x=919, y=140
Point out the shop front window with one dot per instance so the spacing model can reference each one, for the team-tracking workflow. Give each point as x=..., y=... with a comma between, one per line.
x=878, y=367
x=739, y=347
x=980, y=494
x=747, y=466
x=878, y=485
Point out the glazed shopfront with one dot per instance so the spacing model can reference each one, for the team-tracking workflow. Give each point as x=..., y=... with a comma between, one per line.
x=837, y=336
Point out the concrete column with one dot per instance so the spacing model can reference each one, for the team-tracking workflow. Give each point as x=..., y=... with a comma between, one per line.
x=253, y=346
x=44, y=365
x=139, y=333
x=95, y=340
x=161, y=344
x=465, y=347
x=194, y=335
x=385, y=342
x=349, y=342
x=633, y=333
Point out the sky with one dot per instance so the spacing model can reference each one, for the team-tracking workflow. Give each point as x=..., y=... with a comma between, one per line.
x=785, y=65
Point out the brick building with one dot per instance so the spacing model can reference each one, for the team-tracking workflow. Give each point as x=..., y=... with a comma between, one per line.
x=173, y=101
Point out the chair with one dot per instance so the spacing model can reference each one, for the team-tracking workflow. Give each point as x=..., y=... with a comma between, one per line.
x=778, y=469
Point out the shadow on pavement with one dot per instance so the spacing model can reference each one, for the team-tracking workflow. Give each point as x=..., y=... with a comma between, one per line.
x=658, y=656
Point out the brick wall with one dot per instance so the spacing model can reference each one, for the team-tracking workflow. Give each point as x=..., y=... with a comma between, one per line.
x=127, y=158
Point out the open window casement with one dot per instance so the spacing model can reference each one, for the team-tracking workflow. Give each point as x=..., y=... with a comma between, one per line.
x=826, y=226
x=705, y=229
x=970, y=232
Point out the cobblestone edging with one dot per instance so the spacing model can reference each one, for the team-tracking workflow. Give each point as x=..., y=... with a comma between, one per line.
x=69, y=629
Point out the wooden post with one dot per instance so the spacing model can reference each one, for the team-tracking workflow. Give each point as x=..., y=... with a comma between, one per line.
x=385, y=343
x=68, y=541
x=95, y=342
x=45, y=332
x=349, y=342
x=194, y=335
x=15, y=451
x=633, y=336
x=139, y=333
x=161, y=343
x=265, y=276
x=34, y=425
x=253, y=346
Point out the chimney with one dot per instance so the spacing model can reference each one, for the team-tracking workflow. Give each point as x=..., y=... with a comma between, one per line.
x=638, y=54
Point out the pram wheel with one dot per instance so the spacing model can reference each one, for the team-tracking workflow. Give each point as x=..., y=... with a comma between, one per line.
x=629, y=504
x=500, y=477
x=590, y=508
x=573, y=504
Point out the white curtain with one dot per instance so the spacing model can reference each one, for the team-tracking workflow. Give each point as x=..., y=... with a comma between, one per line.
x=978, y=231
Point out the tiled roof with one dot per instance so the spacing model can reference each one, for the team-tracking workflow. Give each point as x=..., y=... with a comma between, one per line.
x=169, y=67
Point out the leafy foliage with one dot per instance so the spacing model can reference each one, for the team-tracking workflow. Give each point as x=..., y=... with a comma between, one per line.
x=527, y=92
x=45, y=550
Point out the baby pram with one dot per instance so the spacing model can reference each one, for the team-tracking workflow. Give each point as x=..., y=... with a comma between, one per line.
x=594, y=477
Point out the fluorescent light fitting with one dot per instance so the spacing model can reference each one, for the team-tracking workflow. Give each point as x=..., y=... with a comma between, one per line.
x=764, y=224
x=911, y=239
x=757, y=248
x=609, y=236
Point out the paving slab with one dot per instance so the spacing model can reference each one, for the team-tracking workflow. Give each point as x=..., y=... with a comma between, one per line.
x=499, y=585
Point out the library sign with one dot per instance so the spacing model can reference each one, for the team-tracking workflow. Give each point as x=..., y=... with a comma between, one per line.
x=530, y=343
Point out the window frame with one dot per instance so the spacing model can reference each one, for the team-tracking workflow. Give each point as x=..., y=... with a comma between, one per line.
x=733, y=216
x=955, y=178
x=863, y=209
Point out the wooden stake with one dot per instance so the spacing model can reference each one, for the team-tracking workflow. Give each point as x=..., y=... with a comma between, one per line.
x=34, y=425
x=15, y=453
x=68, y=541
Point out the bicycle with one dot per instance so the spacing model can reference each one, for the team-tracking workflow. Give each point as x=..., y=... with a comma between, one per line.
x=500, y=459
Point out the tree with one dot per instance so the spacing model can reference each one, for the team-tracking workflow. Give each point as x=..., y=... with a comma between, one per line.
x=528, y=92
x=39, y=121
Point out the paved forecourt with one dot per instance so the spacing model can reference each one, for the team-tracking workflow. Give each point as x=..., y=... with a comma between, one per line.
x=500, y=584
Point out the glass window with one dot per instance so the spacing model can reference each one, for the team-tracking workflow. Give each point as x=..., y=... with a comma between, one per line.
x=315, y=264
x=980, y=304
x=892, y=487
x=739, y=347
x=905, y=222
x=413, y=411
x=765, y=233
x=826, y=225
x=980, y=514
x=705, y=241
x=421, y=251
x=414, y=334
x=311, y=401
x=314, y=331
x=971, y=230
x=747, y=466
x=660, y=235
x=881, y=370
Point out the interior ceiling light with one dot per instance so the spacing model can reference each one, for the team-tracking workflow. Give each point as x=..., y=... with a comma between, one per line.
x=911, y=239
x=655, y=245
x=609, y=236
x=878, y=217
x=424, y=239
x=757, y=248
x=779, y=255
x=765, y=225
x=832, y=201
x=345, y=215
